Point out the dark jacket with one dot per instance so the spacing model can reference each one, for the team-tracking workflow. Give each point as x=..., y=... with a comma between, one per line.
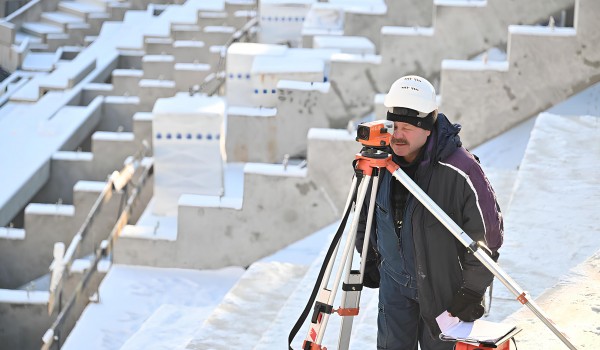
x=454, y=180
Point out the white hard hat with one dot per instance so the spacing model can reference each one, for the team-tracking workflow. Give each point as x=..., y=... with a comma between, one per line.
x=412, y=92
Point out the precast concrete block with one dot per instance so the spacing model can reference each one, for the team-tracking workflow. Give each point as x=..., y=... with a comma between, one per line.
x=130, y=59
x=66, y=168
x=462, y=30
x=322, y=19
x=299, y=108
x=355, y=45
x=158, y=46
x=92, y=90
x=233, y=6
x=262, y=226
x=24, y=318
x=189, y=51
x=250, y=134
x=241, y=18
x=217, y=35
x=126, y=81
x=267, y=71
x=117, y=113
x=26, y=259
x=111, y=149
x=142, y=131
x=527, y=84
x=188, y=75
x=280, y=22
x=187, y=149
x=212, y=18
x=352, y=89
x=153, y=89
x=240, y=59
x=158, y=67
x=186, y=32
x=330, y=155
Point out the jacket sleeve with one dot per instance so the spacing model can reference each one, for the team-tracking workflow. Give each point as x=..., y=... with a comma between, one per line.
x=482, y=221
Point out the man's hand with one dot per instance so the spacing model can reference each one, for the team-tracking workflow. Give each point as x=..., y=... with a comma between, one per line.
x=466, y=305
x=371, y=276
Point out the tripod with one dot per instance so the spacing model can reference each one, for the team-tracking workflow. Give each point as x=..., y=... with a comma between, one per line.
x=369, y=163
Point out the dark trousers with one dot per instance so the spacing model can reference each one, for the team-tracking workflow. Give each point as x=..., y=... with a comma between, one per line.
x=399, y=324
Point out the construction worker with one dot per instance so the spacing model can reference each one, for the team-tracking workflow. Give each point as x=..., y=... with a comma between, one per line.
x=421, y=269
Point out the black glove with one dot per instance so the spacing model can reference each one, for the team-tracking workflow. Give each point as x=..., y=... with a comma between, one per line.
x=466, y=305
x=371, y=275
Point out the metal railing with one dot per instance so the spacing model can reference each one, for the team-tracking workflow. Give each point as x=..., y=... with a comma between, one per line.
x=122, y=180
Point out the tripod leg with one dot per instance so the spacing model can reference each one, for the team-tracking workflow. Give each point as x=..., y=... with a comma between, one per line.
x=324, y=309
x=354, y=278
x=473, y=247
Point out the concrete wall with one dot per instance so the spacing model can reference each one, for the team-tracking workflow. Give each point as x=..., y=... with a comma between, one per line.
x=278, y=207
x=23, y=321
x=460, y=30
x=46, y=224
x=353, y=89
x=545, y=66
x=399, y=13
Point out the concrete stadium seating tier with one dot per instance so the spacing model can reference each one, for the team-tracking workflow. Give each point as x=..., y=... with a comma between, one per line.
x=363, y=20
x=25, y=312
x=46, y=224
x=545, y=65
x=461, y=29
x=275, y=203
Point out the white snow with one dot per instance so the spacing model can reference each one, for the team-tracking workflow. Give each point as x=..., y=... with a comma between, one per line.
x=397, y=30
x=50, y=209
x=461, y=3
x=11, y=296
x=12, y=233
x=129, y=295
x=330, y=134
x=500, y=66
x=304, y=85
x=540, y=30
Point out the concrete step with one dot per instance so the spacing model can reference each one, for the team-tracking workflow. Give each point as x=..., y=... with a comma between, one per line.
x=80, y=9
x=40, y=62
x=174, y=325
x=249, y=307
x=61, y=19
x=276, y=334
x=40, y=29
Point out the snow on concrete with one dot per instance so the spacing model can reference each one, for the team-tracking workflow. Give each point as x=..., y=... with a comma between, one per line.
x=10, y=296
x=570, y=300
x=275, y=170
x=169, y=327
x=129, y=295
x=249, y=307
x=330, y=134
x=12, y=233
x=417, y=31
x=500, y=66
x=541, y=31
x=303, y=85
x=552, y=222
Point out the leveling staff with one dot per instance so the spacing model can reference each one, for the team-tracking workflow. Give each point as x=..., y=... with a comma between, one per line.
x=419, y=266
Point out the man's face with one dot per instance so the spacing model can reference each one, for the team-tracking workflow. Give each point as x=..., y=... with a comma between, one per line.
x=408, y=140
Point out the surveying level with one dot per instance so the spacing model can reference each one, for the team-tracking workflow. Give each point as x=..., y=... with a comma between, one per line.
x=375, y=137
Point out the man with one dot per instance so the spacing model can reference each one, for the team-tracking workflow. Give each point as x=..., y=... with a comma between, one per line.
x=424, y=270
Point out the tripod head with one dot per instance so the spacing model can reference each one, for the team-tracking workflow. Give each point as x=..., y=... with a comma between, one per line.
x=376, y=134
x=375, y=137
